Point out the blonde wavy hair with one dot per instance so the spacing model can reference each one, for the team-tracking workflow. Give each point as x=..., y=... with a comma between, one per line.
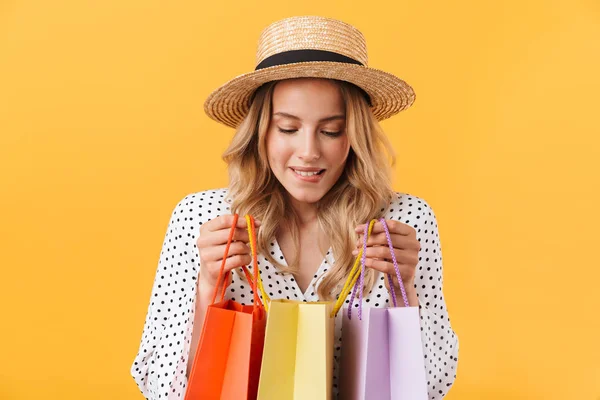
x=362, y=192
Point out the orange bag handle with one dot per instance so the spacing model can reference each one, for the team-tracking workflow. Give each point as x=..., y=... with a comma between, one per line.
x=254, y=249
x=221, y=277
x=258, y=284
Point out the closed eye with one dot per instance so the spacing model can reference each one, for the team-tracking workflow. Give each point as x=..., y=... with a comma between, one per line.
x=289, y=131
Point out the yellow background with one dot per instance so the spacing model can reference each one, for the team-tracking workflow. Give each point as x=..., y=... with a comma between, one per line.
x=102, y=132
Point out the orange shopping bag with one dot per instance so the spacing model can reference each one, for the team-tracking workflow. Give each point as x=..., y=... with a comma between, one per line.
x=228, y=357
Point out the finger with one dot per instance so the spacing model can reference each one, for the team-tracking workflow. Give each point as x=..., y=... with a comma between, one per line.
x=394, y=226
x=380, y=265
x=408, y=257
x=236, y=261
x=398, y=241
x=377, y=252
x=388, y=268
x=378, y=239
x=225, y=221
x=216, y=253
x=221, y=222
x=207, y=239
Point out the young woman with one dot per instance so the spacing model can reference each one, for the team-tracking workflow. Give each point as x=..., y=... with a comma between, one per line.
x=310, y=162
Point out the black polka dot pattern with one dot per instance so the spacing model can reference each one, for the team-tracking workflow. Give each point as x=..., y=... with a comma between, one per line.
x=160, y=365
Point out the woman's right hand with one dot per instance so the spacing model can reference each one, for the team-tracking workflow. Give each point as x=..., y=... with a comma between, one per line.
x=211, y=245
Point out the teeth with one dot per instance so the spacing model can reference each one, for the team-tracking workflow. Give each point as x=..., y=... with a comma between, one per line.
x=303, y=173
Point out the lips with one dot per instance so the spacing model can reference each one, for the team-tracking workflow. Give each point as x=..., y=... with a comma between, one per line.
x=308, y=171
x=309, y=176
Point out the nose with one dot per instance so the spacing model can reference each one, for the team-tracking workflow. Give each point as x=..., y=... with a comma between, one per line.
x=309, y=148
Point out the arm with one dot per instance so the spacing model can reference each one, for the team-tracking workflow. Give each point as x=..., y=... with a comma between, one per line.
x=440, y=342
x=144, y=368
x=417, y=249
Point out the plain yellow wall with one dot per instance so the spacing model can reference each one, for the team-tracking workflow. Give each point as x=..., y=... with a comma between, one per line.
x=102, y=132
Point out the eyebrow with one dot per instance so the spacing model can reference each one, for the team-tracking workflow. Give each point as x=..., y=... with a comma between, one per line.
x=332, y=118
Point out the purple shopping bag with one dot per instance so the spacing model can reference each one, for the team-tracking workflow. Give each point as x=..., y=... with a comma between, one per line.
x=382, y=353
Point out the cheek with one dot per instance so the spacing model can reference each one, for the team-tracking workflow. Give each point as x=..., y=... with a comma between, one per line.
x=337, y=152
x=277, y=150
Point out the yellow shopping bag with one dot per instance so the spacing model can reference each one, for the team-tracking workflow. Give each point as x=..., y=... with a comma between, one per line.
x=297, y=359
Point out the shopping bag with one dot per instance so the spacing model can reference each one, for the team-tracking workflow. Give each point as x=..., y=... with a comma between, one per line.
x=297, y=360
x=227, y=361
x=382, y=353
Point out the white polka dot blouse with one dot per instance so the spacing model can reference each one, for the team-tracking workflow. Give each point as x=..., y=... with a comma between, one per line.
x=159, y=368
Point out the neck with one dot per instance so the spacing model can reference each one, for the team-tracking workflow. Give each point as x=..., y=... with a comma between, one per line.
x=307, y=212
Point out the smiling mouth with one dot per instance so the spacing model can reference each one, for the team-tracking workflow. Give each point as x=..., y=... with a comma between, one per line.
x=307, y=173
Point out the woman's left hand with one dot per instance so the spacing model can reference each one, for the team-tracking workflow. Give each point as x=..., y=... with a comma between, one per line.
x=406, y=250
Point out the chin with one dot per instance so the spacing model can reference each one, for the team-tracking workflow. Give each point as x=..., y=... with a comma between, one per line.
x=305, y=195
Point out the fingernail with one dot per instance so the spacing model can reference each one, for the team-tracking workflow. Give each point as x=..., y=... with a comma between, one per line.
x=358, y=229
x=354, y=252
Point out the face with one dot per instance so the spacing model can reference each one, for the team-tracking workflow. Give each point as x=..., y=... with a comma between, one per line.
x=307, y=144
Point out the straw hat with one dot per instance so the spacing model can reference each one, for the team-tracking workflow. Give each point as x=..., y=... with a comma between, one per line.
x=310, y=46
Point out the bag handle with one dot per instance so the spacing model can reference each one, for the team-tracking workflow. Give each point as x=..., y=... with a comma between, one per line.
x=361, y=281
x=396, y=269
x=355, y=274
x=257, y=283
x=352, y=276
x=221, y=278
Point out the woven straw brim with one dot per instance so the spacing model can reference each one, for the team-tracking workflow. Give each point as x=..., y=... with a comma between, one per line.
x=229, y=104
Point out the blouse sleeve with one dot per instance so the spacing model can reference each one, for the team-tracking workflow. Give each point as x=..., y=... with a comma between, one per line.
x=440, y=342
x=144, y=367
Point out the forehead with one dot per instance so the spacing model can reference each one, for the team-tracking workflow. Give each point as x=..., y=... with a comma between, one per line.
x=308, y=98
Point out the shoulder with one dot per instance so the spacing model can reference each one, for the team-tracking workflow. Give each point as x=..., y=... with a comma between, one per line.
x=200, y=207
x=412, y=210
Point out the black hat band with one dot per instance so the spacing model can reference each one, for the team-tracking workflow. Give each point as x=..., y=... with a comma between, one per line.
x=308, y=55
